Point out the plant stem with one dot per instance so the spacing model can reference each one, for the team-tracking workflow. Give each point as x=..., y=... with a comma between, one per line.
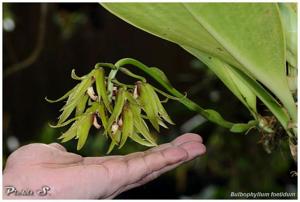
x=129, y=73
x=109, y=65
x=115, y=81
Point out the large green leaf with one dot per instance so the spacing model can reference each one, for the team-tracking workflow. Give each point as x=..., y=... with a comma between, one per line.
x=248, y=87
x=248, y=36
x=170, y=21
x=238, y=87
x=289, y=17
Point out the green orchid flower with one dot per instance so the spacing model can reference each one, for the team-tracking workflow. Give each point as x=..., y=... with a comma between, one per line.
x=120, y=110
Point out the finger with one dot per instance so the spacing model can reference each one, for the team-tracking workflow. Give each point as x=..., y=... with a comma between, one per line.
x=179, y=140
x=137, y=168
x=58, y=146
x=194, y=149
x=133, y=168
x=154, y=159
x=188, y=137
x=102, y=159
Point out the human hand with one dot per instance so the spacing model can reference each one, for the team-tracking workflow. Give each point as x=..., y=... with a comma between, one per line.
x=71, y=176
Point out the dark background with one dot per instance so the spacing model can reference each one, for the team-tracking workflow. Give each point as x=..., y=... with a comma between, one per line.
x=80, y=35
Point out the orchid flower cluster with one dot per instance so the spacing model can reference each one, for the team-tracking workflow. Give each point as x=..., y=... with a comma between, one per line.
x=121, y=111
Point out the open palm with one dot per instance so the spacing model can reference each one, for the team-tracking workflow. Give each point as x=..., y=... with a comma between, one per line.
x=69, y=175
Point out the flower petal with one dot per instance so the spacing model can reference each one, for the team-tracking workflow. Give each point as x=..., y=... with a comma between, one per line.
x=101, y=87
x=84, y=125
x=81, y=105
x=148, y=104
x=127, y=127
